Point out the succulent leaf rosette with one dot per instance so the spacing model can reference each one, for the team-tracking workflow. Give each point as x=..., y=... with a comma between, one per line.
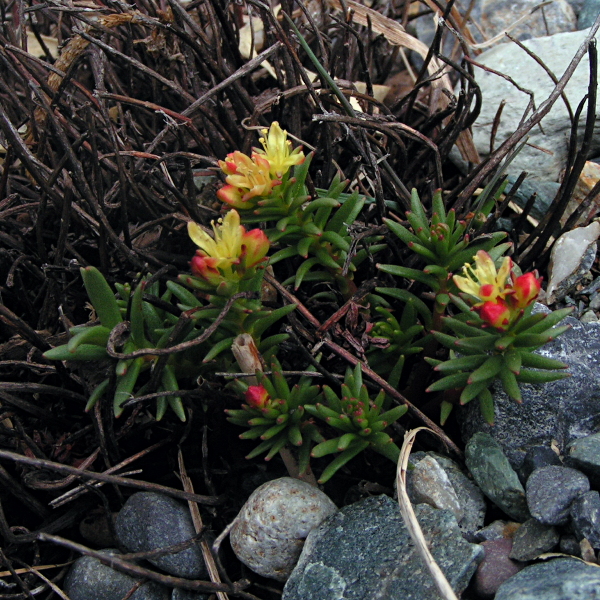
x=496, y=334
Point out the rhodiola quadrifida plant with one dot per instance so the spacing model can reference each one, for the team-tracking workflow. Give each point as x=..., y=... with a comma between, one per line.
x=465, y=296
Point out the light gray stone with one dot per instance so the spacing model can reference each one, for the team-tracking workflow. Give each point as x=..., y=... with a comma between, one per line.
x=585, y=517
x=556, y=51
x=560, y=579
x=269, y=532
x=365, y=551
x=532, y=539
x=149, y=521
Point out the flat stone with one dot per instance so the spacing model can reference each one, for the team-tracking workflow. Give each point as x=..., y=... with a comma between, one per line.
x=588, y=13
x=555, y=413
x=585, y=517
x=149, y=521
x=570, y=545
x=496, y=478
x=550, y=492
x=365, y=551
x=532, y=539
x=507, y=58
x=584, y=454
x=559, y=579
x=89, y=579
x=496, y=567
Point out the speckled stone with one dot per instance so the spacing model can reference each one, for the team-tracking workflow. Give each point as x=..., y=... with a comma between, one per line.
x=584, y=455
x=149, y=521
x=365, y=552
x=585, y=517
x=89, y=579
x=269, y=532
x=496, y=567
x=532, y=539
x=494, y=475
x=559, y=579
x=550, y=492
x=537, y=457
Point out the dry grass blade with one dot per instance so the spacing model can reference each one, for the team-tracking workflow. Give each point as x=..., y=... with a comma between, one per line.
x=188, y=486
x=410, y=519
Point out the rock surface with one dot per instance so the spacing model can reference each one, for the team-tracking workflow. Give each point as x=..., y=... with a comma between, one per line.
x=560, y=579
x=149, y=521
x=494, y=475
x=555, y=50
x=551, y=491
x=365, y=551
x=269, y=532
x=89, y=579
x=584, y=454
x=558, y=412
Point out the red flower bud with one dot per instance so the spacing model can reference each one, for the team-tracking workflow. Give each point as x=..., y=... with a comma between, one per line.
x=255, y=245
x=497, y=314
x=526, y=289
x=257, y=396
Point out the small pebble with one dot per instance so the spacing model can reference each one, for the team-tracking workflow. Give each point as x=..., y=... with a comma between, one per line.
x=537, y=457
x=497, y=530
x=149, y=521
x=532, y=539
x=269, y=532
x=90, y=579
x=570, y=545
x=496, y=567
x=550, y=492
x=585, y=517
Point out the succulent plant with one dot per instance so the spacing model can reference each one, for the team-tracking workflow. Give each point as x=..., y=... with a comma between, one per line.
x=360, y=421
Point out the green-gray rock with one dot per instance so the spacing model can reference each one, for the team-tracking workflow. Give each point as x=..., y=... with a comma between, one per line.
x=494, y=475
x=584, y=454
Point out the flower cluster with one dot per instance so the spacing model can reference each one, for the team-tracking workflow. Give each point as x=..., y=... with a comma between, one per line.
x=251, y=177
x=501, y=294
x=231, y=255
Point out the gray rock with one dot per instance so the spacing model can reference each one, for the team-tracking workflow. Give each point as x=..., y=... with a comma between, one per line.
x=532, y=539
x=588, y=14
x=496, y=15
x=496, y=567
x=557, y=51
x=471, y=503
x=545, y=193
x=569, y=545
x=89, y=579
x=149, y=521
x=560, y=579
x=494, y=475
x=584, y=454
x=365, y=551
x=537, y=457
x=585, y=517
x=558, y=412
x=550, y=492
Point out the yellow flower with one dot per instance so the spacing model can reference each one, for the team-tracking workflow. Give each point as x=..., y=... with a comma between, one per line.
x=249, y=177
x=231, y=254
x=484, y=281
x=278, y=150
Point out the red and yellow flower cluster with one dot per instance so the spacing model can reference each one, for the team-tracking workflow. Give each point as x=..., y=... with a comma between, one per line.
x=257, y=397
x=255, y=176
x=231, y=254
x=502, y=295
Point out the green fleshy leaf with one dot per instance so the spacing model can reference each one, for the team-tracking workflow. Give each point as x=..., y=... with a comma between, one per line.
x=464, y=329
x=401, y=232
x=488, y=370
x=456, y=380
x=125, y=385
x=531, y=376
x=82, y=352
x=325, y=448
x=102, y=297
x=512, y=360
x=338, y=462
x=463, y=363
x=346, y=214
x=550, y=320
x=510, y=385
x=445, y=410
x=97, y=394
x=537, y=361
x=412, y=274
x=473, y=390
x=96, y=335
